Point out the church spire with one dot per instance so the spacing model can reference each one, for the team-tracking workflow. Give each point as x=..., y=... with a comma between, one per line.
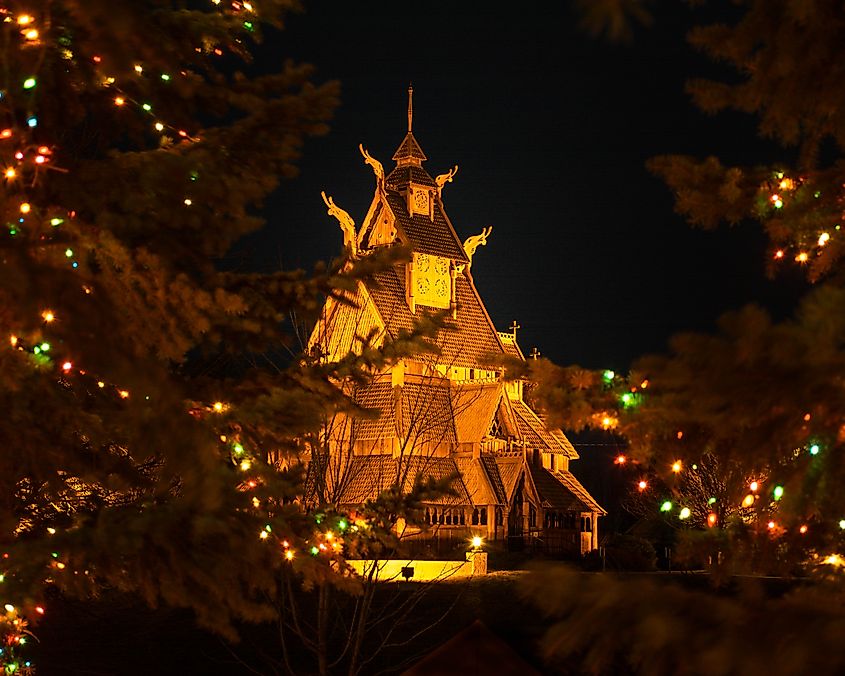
x=410, y=108
x=409, y=151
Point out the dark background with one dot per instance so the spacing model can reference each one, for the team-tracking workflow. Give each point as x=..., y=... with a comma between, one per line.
x=551, y=129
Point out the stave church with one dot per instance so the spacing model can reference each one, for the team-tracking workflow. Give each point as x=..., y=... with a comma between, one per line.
x=449, y=412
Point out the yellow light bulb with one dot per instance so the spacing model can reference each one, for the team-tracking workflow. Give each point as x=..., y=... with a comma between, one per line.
x=677, y=466
x=119, y=100
x=219, y=407
x=289, y=554
x=10, y=172
x=245, y=465
x=159, y=126
x=748, y=500
x=31, y=34
x=124, y=394
x=802, y=257
x=48, y=316
x=823, y=238
x=24, y=20
x=26, y=207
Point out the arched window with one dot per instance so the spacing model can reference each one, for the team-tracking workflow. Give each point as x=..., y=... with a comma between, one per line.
x=483, y=516
x=475, y=516
x=434, y=515
x=500, y=518
x=442, y=516
x=448, y=517
x=463, y=516
x=532, y=516
x=427, y=515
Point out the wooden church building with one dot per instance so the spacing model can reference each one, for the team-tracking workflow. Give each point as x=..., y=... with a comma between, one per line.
x=449, y=413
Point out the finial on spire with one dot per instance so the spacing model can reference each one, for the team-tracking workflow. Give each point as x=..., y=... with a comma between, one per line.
x=410, y=107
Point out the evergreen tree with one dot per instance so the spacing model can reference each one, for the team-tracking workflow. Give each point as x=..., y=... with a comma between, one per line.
x=744, y=425
x=142, y=443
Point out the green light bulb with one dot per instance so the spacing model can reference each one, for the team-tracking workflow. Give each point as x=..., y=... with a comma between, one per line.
x=778, y=492
x=342, y=524
x=711, y=501
x=147, y=107
x=56, y=221
x=608, y=375
x=814, y=449
x=315, y=551
x=165, y=77
x=29, y=83
x=237, y=448
x=666, y=506
x=45, y=347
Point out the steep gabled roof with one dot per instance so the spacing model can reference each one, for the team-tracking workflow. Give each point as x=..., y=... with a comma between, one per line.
x=476, y=480
x=409, y=150
x=510, y=470
x=475, y=406
x=423, y=234
x=534, y=431
x=464, y=341
x=574, y=486
x=491, y=469
x=422, y=414
x=370, y=475
x=512, y=348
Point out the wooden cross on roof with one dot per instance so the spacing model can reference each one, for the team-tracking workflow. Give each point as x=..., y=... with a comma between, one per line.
x=513, y=327
x=535, y=353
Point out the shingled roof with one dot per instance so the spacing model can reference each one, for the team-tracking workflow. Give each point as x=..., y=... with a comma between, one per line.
x=534, y=431
x=465, y=341
x=426, y=413
x=370, y=475
x=426, y=235
x=409, y=149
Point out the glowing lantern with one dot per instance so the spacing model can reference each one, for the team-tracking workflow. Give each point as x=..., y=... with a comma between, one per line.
x=477, y=541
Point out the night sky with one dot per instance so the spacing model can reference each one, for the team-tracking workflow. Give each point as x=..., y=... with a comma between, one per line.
x=551, y=129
